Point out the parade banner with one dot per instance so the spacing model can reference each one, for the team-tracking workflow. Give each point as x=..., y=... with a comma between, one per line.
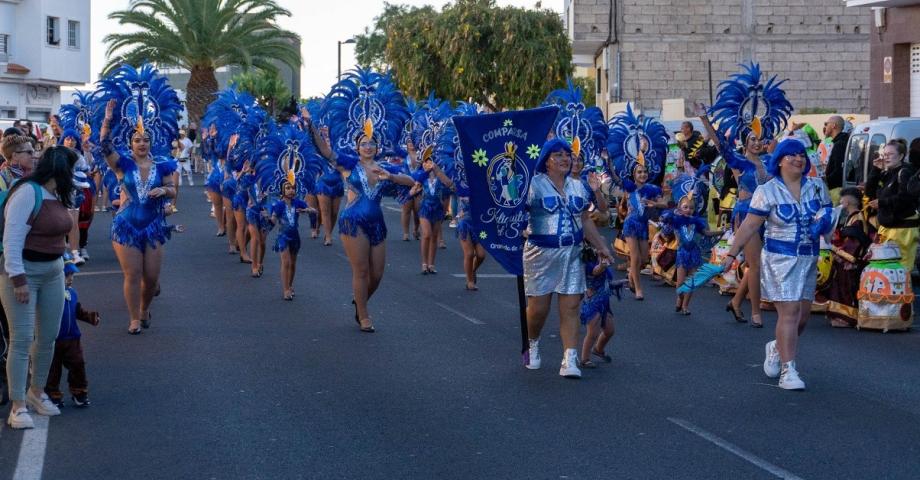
x=500, y=151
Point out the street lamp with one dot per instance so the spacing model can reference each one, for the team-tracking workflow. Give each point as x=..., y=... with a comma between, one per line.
x=350, y=40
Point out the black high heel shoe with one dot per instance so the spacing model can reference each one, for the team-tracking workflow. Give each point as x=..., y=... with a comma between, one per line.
x=738, y=317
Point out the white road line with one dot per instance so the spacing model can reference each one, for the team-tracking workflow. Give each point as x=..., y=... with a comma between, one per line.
x=460, y=314
x=101, y=272
x=31, y=460
x=484, y=275
x=392, y=209
x=738, y=451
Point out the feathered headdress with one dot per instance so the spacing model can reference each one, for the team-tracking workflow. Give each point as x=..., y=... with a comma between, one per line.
x=745, y=105
x=448, y=153
x=412, y=108
x=428, y=124
x=365, y=103
x=691, y=188
x=581, y=125
x=287, y=156
x=144, y=103
x=230, y=112
x=79, y=116
x=626, y=136
x=252, y=131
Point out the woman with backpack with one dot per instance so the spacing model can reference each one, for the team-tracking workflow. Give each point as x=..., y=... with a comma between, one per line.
x=36, y=222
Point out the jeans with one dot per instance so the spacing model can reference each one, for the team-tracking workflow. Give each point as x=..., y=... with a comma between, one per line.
x=33, y=326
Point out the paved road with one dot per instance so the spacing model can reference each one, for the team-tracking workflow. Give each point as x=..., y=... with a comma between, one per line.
x=233, y=382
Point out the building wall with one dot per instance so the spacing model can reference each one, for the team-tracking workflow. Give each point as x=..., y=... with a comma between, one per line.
x=902, y=28
x=665, y=46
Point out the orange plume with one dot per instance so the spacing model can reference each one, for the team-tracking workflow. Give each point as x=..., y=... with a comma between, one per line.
x=140, y=125
x=640, y=158
x=756, y=127
x=576, y=147
x=369, y=129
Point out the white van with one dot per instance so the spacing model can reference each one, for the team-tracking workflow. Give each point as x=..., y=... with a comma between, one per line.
x=867, y=138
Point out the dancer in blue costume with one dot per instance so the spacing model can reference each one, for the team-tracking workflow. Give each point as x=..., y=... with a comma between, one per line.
x=366, y=114
x=329, y=186
x=259, y=224
x=596, y=314
x=215, y=177
x=797, y=212
x=139, y=124
x=637, y=148
x=750, y=111
x=409, y=199
x=287, y=168
x=688, y=224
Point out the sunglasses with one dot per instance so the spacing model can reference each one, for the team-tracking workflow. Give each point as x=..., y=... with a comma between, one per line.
x=368, y=144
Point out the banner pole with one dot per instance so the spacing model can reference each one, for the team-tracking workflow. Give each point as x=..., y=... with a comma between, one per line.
x=522, y=306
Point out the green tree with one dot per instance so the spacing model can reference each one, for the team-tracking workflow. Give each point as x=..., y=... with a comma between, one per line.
x=500, y=57
x=201, y=36
x=266, y=86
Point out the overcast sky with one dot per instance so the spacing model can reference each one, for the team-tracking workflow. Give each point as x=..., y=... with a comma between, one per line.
x=320, y=23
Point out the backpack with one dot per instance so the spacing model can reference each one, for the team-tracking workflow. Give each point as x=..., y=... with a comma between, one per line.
x=4, y=195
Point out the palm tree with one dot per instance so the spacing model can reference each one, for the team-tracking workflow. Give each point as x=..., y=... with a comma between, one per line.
x=201, y=36
x=266, y=86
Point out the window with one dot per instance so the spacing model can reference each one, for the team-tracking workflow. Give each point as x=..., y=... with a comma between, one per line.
x=4, y=48
x=73, y=34
x=7, y=112
x=597, y=81
x=54, y=31
x=855, y=159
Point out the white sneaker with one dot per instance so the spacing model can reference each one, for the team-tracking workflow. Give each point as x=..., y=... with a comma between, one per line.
x=20, y=419
x=84, y=254
x=42, y=405
x=790, y=380
x=646, y=271
x=533, y=355
x=77, y=259
x=771, y=365
x=569, y=368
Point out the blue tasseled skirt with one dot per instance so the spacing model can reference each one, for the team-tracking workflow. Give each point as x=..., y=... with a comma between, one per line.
x=635, y=226
x=228, y=188
x=689, y=257
x=599, y=303
x=213, y=182
x=140, y=226
x=288, y=239
x=465, y=231
x=363, y=215
x=240, y=201
x=254, y=217
x=432, y=209
x=330, y=185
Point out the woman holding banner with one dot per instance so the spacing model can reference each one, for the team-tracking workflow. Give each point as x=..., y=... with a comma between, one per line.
x=559, y=222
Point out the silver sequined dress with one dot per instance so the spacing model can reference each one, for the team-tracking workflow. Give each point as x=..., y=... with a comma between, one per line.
x=554, y=221
x=788, y=265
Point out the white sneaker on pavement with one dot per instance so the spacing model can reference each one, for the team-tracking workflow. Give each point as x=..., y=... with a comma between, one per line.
x=20, y=419
x=771, y=365
x=77, y=259
x=569, y=368
x=789, y=380
x=84, y=254
x=42, y=405
x=533, y=354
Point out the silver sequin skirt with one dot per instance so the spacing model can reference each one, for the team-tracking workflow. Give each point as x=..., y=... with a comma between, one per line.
x=784, y=278
x=553, y=270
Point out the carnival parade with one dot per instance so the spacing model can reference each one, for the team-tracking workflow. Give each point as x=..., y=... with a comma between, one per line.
x=481, y=261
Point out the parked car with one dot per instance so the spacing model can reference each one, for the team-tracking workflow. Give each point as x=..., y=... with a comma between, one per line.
x=867, y=138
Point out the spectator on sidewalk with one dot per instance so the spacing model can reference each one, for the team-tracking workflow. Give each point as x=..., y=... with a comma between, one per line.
x=833, y=175
x=184, y=148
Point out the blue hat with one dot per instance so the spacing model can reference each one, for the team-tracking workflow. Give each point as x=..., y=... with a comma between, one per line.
x=71, y=133
x=550, y=147
x=69, y=266
x=789, y=146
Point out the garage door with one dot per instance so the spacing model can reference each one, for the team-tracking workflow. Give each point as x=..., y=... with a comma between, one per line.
x=915, y=80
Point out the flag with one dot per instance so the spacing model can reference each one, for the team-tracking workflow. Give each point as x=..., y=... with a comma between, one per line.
x=500, y=151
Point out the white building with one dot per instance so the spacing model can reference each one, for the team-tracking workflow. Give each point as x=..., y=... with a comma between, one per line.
x=44, y=45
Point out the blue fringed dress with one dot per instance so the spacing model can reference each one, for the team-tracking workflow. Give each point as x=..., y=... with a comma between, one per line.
x=141, y=221
x=287, y=218
x=464, y=221
x=599, y=302
x=432, y=207
x=363, y=212
x=688, y=229
x=637, y=216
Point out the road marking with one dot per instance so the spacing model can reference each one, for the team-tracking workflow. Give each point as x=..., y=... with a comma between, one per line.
x=460, y=314
x=738, y=451
x=393, y=209
x=485, y=275
x=100, y=272
x=31, y=460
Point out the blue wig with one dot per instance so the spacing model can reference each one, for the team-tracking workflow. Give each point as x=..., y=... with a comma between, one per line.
x=550, y=147
x=789, y=146
x=71, y=133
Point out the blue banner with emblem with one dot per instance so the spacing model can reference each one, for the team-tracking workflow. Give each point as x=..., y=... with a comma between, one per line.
x=500, y=151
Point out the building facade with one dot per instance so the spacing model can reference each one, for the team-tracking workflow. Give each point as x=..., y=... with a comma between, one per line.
x=894, y=57
x=669, y=54
x=44, y=45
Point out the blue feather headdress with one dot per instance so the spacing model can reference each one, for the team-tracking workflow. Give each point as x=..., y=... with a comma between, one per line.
x=365, y=103
x=230, y=112
x=252, y=131
x=581, y=125
x=692, y=188
x=447, y=152
x=745, y=105
x=79, y=116
x=144, y=102
x=428, y=124
x=625, y=138
x=412, y=108
x=287, y=156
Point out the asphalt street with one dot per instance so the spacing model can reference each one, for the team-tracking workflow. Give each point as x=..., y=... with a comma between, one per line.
x=232, y=382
